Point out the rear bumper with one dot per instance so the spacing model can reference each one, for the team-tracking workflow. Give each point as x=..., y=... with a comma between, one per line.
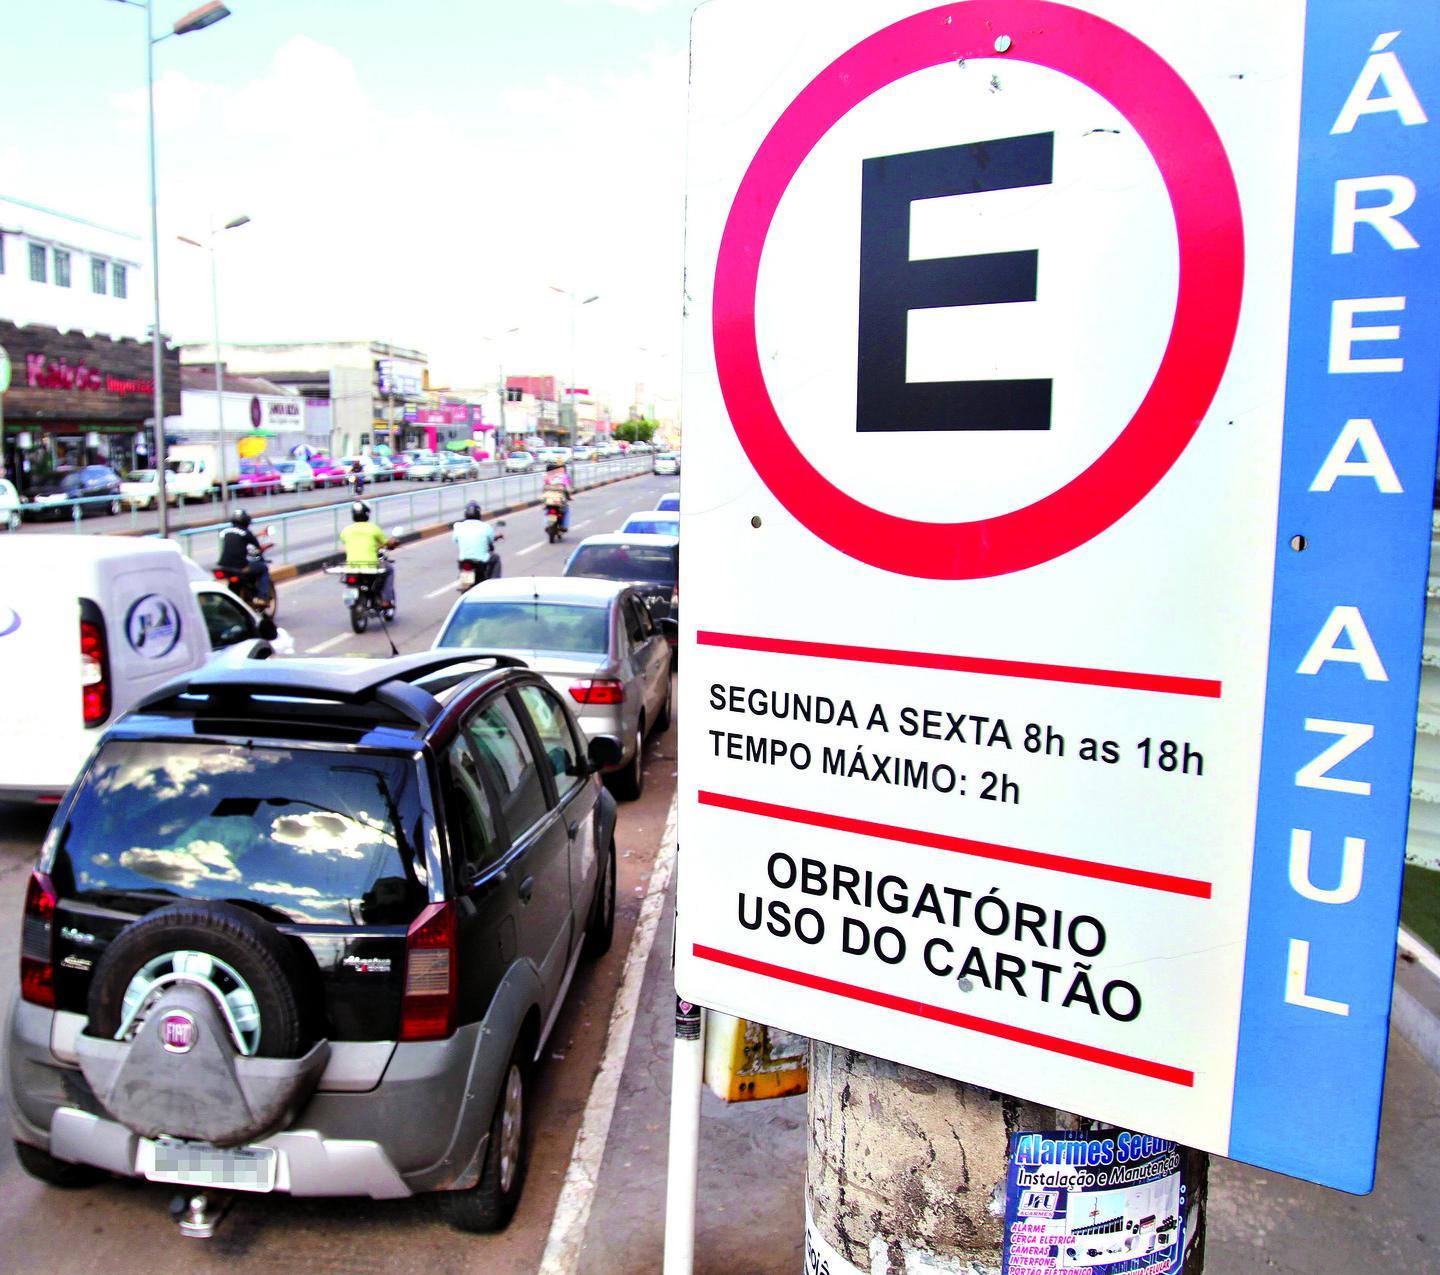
x=387, y=1120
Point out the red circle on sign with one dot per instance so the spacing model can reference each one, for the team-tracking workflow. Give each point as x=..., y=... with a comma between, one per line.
x=1201, y=187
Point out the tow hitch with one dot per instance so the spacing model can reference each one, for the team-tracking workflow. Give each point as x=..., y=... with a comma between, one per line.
x=200, y=1214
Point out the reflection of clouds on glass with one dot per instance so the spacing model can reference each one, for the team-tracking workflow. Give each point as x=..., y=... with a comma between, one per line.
x=103, y=860
x=308, y=905
x=329, y=832
x=185, y=867
x=173, y=773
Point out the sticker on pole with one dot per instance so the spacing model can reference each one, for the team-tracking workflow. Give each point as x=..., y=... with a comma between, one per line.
x=1061, y=393
x=1108, y=1203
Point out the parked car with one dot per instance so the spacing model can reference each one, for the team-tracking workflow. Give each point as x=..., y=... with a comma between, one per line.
x=425, y=466
x=582, y=453
x=327, y=470
x=84, y=487
x=369, y=467
x=140, y=489
x=400, y=463
x=667, y=463
x=370, y=890
x=670, y=500
x=592, y=640
x=257, y=478
x=650, y=563
x=456, y=468
x=652, y=522
x=295, y=475
x=9, y=506
x=519, y=463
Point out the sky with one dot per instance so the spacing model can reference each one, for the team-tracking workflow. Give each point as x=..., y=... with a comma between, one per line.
x=420, y=172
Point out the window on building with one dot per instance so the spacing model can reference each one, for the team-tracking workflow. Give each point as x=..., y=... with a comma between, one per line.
x=97, y=275
x=37, y=262
x=514, y=394
x=118, y=277
x=62, y=268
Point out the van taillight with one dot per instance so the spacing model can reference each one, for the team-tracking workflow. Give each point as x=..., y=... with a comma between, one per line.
x=600, y=690
x=427, y=1011
x=37, y=957
x=94, y=673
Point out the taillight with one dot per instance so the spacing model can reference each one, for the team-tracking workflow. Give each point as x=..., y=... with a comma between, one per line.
x=602, y=690
x=218, y=574
x=352, y=581
x=94, y=673
x=37, y=959
x=427, y=1011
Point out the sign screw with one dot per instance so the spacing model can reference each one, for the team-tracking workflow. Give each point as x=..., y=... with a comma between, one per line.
x=1002, y=44
x=755, y=521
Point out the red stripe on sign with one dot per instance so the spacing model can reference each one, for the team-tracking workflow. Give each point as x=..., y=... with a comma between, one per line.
x=969, y=1022
x=964, y=845
x=1159, y=683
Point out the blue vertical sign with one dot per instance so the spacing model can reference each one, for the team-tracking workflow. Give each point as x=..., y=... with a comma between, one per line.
x=1351, y=559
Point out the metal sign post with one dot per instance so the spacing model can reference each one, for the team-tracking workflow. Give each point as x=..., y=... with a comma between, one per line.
x=1066, y=751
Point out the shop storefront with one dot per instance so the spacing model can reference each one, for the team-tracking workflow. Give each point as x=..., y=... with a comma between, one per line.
x=78, y=400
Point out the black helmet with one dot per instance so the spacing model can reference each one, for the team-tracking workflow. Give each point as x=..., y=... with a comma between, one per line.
x=240, y=518
x=360, y=511
x=472, y=510
x=552, y=464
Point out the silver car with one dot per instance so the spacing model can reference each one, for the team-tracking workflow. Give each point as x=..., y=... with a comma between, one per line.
x=593, y=640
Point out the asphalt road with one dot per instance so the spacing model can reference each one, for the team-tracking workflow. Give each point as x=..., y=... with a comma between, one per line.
x=124, y=1226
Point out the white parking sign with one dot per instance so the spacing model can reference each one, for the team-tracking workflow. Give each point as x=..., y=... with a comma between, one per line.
x=1061, y=394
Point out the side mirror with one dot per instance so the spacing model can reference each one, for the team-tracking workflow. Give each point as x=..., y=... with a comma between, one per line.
x=268, y=531
x=605, y=751
x=669, y=626
x=266, y=629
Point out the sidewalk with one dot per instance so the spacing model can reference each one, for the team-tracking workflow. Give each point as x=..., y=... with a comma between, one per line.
x=750, y=1208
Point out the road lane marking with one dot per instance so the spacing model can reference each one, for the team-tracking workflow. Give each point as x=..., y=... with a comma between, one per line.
x=327, y=644
x=520, y=553
x=572, y=1210
x=444, y=588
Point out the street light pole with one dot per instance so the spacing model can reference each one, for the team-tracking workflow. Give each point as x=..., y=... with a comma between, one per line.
x=575, y=304
x=215, y=314
x=196, y=20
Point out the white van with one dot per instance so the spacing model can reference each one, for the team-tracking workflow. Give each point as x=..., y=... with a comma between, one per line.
x=89, y=625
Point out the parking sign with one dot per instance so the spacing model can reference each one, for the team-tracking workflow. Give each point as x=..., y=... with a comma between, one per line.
x=1061, y=395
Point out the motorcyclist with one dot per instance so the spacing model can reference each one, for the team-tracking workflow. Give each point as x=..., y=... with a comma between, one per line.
x=557, y=492
x=475, y=539
x=362, y=541
x=237, y=542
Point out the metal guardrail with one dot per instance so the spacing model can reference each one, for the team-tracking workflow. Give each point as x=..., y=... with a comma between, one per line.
x=306, y=534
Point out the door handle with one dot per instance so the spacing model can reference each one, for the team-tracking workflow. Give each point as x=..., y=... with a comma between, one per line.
x=527, y=888
x=574, y=831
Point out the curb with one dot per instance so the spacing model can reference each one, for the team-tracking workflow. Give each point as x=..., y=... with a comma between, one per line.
x=1414, y=1016
x=293, y=570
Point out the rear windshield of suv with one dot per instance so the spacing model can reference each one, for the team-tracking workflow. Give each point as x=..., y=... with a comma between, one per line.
x=529, y=626
x=653, y=564
x=315, y=836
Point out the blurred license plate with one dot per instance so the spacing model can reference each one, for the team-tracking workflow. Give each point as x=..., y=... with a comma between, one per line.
x=467, y=577
x=200, y=1164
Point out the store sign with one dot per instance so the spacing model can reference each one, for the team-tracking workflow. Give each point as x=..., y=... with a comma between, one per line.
x=399, y=376
x=44, y=373
x=1056, y=545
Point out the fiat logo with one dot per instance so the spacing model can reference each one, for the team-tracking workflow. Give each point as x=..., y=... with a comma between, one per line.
x=178, y=1032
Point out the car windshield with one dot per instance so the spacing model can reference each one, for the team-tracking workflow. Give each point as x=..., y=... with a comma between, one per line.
x=140, y=476
x=315, y=836
x=653, y=564
x=529, y=626
x=646, y=525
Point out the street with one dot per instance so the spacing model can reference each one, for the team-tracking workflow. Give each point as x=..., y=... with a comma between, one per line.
x=42, y=1229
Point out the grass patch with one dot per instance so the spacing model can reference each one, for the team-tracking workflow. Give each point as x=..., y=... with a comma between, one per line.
x=1420, y=904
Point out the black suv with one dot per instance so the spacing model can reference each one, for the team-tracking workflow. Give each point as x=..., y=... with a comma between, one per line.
x=95, y=489
x=304, y=926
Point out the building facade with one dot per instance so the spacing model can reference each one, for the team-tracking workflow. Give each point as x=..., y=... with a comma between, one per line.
x=76, y=399
x=367, y=384
x=65, y=272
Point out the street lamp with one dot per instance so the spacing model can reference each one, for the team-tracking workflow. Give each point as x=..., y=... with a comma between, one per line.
x=215, y=311
x=575, y=304
x=196, y=20
x=499, y=340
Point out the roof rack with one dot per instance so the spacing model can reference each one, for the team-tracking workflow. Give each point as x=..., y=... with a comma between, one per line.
x=389, y=685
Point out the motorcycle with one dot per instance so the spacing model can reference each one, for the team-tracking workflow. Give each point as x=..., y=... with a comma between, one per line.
x=243, y=585
x=362, y=594
x=473, y=570
x=555, y=520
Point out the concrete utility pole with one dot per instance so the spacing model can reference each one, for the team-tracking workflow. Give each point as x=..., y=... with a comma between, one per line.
x=906, y=1170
